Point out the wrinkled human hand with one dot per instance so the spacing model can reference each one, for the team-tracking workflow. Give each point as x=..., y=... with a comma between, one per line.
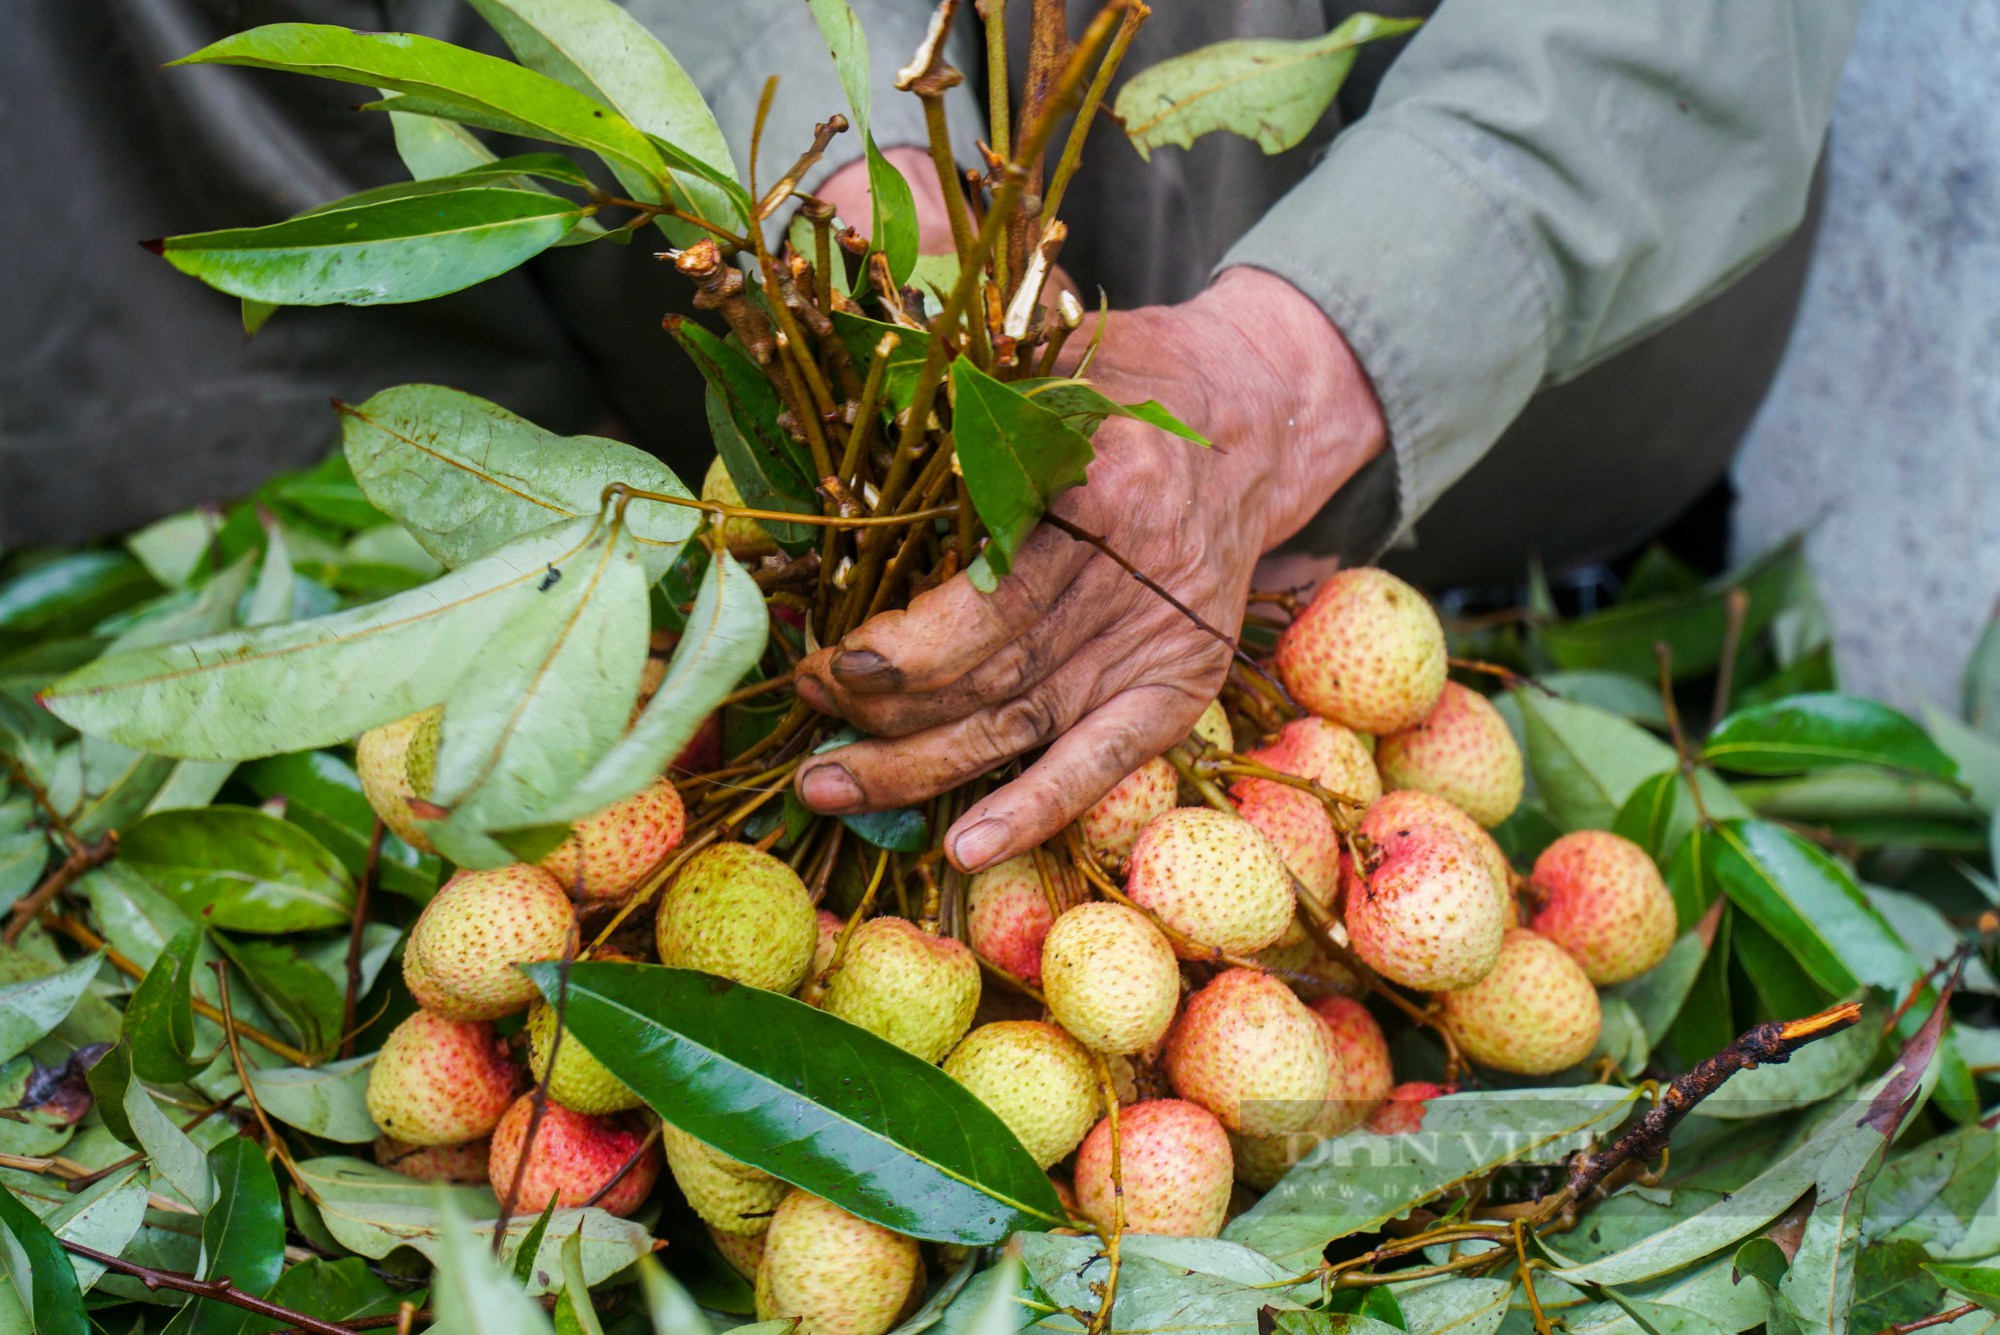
x=1070, y=652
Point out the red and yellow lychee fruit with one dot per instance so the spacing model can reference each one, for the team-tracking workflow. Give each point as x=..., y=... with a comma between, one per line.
x=1600, y=897
x=835, y=1273
x=1110, y=977
x=1402, y=1112
x=574, y=1157
x=1174, y=1170
x=1332, y=756
x=732, y=1198
x=1249, y=1051
x=1398, y=811
x=901, y=983
x=1039, y=1080
x=1367, y=653
x=747, y=540
x=1425, y=912
x=739, y=913
x=1360, y=1078
x=461, y=956
x=440, y=1082
x=1462, y=751
x=396, y=763
x=607, y=854
x=1213, y=878
x=434, y=1163
x=744, y=1254
x=1008, y=917
x=1298, y=826
x=1534, y=1014
x=1112, y=826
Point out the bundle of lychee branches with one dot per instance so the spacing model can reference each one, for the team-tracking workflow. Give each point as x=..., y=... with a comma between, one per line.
x=404, y=867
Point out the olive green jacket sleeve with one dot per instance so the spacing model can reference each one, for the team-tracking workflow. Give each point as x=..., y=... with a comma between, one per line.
x=1539, y=183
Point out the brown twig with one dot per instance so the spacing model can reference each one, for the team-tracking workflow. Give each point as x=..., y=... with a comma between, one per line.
x=272, y=1140
x=1736, y=607
x=1690, y=767
x=355, y=936
x=81, y=859
x=214, y=1290
x=1508, y=676
x=1943, y=1318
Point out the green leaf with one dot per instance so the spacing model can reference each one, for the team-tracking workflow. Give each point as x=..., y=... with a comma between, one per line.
x=22, y=857
x=1455, y=1306
x=439, y=79
x=159, y=1019
x=893, y=229
x=671, y=1309
x=809, y=1098
x=1168, y=1283
x=1849, y=794
x=902, y=830
x=1084, y=407
x=241, y=869
x=343, y=1290
x=465, y=475
x=177, y=1161
x=1804, y=732
x=573, y=1309
x=597, y=48
x=906, y=359
x=1017, y=456
x=104, y=1216
x=771, y=470
x=723, y=638
x=255, y=693
x=1783, y=988
x=469, y=1290
x=398, y=250
x=305, y=999
x=243, y=1234
x=1661, y=811
x=329, y=1101
x=895, y=204
x=526, y=1251
x=72, y=593
x=517, y=171
x=108, y=1079
x=322, y=796
x=1355, y=1183
x=30, y=1009
x=1976, y=754
x=1586, y=762
x=1273, y=92
x=39, y=1271
x=1810, y=903
x=1982, y=681
x=1975, y=1283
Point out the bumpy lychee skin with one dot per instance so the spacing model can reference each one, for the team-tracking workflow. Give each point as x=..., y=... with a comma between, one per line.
x=1110, y=977
x=440, y=1082
x=572, y=1159
x=1360, y=1080
x=1425, y=913
x=1112, y=826
x=1174, y=1166
x=746, y=539
x=607, y=854
x=1402, y=1112
x=1601, y=898
x=1008, y=917
x=396, y=763
x=741, y=914
x=1213, y=878
x=1462, y=751
x=732, y=1198
x=1332, y=756
x=1534, y=1014
x=837, y=1274
x=903, y=984
x=1298, y=826
x=1368, y=653
x=743, y=1254
x=1039, y=1080
x=434, y=1163
x=579, y=1082
x=460, y=958
x=1396, y=812
x=1249, y=1051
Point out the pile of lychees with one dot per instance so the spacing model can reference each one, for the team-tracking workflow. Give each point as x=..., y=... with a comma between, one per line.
x=1227, y=1073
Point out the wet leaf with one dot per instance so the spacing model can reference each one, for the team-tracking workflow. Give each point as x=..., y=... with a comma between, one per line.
x=1804, y=732
x=159, y=1018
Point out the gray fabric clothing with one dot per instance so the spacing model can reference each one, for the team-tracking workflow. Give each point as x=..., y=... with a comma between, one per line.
x=1537, y=186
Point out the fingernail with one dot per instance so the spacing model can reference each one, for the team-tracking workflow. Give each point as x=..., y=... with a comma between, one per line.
x=981, y=844
x=830, y=787
x=862, y=667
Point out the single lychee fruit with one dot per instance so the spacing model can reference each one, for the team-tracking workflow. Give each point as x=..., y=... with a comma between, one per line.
x=1298, y=826
x=1397, y=811
x=574, y=1157
x=906, y=985
x=1367, y=653
x=1008, y=917
x=732, y=1198
x=1039, y=1080
x=747, y=540
x=434, y=1163
x=607, y=854
x=838, y=1275
x=1402, y=1112
x=1111, y=827
x=1213, y=878
x=1425, y=913
x=1334, y=757
x=1600, y=897
x=1360, y=1079
x=1174, y=1170
x=738, y=913
x=579, y=1082
x=440, y=1082
x=1249, y=1051
x=396, y=763
x=460, y=957
x=1301, y=966
x=1110, y=977
x=744, y=1254
x=1534, y=1014
x=1462, y=751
